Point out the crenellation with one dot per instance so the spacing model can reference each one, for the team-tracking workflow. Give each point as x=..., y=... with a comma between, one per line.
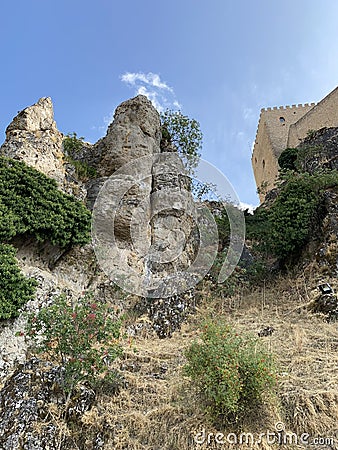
x=275, y=126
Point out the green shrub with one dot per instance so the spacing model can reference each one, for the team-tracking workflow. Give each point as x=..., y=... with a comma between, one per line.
x=31, y=203
x=83, y=171
x=283, y=227
x=293, y=217
x=288, y=158
x=82, y=337
x=72, y=146
x=15, y=288
x=230, y=371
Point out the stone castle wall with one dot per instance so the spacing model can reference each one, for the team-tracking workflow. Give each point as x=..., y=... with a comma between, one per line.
x=324, y=114
x=271, y=139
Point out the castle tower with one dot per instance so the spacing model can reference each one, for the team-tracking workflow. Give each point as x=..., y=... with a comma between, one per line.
x=271, y=139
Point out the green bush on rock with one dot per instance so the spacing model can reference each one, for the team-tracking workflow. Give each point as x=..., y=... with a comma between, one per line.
x=31, y=204
x=15, y=288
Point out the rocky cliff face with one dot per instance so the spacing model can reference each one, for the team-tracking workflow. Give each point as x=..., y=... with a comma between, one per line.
x=33, y=137
x=159, y=197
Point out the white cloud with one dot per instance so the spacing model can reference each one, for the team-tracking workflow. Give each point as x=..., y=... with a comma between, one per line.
x=247, y=206
x=152, y=79
x=150, y=84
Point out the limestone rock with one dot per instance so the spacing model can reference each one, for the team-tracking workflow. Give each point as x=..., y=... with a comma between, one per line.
x=135, y=132
x=147, y=199
x=33, y=138
x=28, y=398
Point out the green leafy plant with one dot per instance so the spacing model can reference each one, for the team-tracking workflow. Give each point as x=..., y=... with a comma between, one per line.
x=185, y=134
x=231, y=371
x=31, y=203
x=72, y=145
x=311, y=133
x=288, y=158
x=83, y=337
x=295, y=213
x=15, y=288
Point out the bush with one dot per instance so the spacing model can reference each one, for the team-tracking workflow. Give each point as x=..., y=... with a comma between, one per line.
x=294, y=215
x=81, y=337
x=288, y=158
x=31, y=203
x=72, y=146
x=283, y=228
x=230, y=371
x=15, y=288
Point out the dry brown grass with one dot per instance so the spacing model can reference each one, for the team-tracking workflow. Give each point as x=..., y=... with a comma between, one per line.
x=159, y=409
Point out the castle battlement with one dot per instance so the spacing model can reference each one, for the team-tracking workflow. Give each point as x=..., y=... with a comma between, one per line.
x=280, y=127
x=287, y=107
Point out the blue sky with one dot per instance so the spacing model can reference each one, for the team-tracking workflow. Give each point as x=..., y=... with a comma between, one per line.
x=220, y=60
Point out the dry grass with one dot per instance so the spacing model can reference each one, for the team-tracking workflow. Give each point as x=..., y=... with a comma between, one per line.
x=159, y=409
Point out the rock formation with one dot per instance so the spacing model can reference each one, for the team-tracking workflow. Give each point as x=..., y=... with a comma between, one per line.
x=153, y=233
x=33, y=137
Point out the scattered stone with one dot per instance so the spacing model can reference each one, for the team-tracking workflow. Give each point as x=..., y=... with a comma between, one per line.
x=326, y=304
x=267, y=331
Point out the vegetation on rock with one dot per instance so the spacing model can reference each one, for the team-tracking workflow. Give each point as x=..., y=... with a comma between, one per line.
x=185, y=134
x=82, y=337
x=31, y=204
x=15, y=288
x=72, y=145
x=230, y=370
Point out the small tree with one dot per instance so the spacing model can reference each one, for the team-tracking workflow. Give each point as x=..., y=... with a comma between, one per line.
x=82, y=337
x=185, y=134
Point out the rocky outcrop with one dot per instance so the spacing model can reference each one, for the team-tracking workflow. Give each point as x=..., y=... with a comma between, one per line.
x=147, y=200
x=163, y=242
x=134, y=132
x=33, y=395
x=33, y=137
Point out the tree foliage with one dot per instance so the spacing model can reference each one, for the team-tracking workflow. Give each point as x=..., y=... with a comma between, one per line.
x=15, y=288
x=185, y=134
x=31, y=203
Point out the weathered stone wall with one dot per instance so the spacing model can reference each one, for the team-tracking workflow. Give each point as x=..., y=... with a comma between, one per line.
x=271, y=140
x=324, y=114
x=283, y=127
